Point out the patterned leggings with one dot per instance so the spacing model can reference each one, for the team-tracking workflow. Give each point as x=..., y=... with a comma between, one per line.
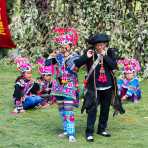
x=65, y=106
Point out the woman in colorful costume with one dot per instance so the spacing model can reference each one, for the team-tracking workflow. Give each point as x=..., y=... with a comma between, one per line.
x=65, y=83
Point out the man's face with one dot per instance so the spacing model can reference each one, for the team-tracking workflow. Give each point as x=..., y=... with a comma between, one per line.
x=100, y=47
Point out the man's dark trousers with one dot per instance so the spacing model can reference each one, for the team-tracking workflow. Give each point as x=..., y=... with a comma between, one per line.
x=104, y=100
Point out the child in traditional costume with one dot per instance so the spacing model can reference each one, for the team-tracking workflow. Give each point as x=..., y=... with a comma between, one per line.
x=65, y=83
x=25, y=91
x=128, y=85
x=45, y=82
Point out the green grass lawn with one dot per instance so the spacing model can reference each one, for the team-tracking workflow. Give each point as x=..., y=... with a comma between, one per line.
x=39, y=128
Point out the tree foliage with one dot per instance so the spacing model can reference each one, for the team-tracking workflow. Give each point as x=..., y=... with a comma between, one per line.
x=124, y=20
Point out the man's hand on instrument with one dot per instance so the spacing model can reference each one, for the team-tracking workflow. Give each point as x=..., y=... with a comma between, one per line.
x=90, y=53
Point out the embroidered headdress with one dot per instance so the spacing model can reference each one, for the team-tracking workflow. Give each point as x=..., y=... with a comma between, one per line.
x=46, y=70
x=129, y=65
x=25, y=67
x=66, y=36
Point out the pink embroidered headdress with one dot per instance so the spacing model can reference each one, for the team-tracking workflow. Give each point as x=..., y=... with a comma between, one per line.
x=65, y=36
x=129, y=65
x=46, y=70
x=25, y=67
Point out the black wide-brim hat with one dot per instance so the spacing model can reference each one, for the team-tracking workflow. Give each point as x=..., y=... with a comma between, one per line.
x=99, y=38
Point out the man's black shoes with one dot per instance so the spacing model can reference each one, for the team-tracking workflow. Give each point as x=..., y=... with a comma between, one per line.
x=90, y=139
x=104, y=133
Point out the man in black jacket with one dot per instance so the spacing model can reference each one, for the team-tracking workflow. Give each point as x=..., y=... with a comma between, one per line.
x=100, y=62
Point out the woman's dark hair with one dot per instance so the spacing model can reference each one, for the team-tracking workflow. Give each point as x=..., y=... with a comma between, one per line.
x=49, y=50
x=45, y=55
x=70, y=44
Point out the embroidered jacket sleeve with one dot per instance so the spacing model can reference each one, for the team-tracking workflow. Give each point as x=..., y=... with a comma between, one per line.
x=132, y=87
x=81, y=61
x=18, y=94
x=119, y=84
